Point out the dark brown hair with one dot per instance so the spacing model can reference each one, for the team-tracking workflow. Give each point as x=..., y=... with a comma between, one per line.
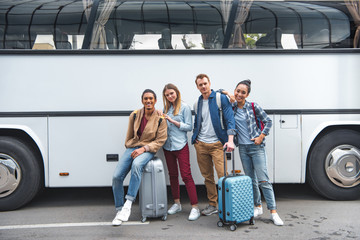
x=247, y=83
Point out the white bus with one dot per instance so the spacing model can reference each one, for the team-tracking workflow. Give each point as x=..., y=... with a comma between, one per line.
x=72, y=71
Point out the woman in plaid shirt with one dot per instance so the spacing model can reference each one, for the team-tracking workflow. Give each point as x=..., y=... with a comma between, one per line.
x=251, y=143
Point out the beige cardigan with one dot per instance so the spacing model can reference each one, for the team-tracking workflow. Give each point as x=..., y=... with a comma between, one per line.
x=154, y=135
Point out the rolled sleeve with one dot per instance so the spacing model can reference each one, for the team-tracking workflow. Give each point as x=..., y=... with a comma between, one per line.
x=231, y=132
x=186, y=126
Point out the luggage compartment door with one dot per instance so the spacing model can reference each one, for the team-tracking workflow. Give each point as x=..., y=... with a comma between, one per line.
x=287, y=150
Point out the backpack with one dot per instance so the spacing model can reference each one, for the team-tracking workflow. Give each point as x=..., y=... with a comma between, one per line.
x=218, y=103
x=259, y=123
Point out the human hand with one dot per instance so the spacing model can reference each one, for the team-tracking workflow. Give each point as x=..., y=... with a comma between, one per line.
x=167, y=117
x=159, y=112
x=137, y=152
x=258, y=140
x=229, y=146
x=230, y=96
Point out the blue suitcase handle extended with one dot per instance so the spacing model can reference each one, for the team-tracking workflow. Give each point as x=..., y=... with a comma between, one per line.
x=232, y=158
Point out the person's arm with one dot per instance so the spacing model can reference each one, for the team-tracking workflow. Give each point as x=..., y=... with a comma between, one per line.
x=230, y=123
x=130, y=129
x=185, y=125
x=260, y=113
x=193, y=138
x=258, y=140
x=230, y=96
x=229, y=145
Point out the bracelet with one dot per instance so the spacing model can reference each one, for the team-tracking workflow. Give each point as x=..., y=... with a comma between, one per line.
x=144, y=148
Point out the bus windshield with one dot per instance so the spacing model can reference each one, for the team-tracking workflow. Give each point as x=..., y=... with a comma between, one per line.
x=177, y=24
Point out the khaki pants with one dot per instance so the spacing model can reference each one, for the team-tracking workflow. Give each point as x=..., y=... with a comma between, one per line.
x=210, y=155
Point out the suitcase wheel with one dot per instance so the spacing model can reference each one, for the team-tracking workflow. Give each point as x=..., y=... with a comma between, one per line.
x=220, y=224
x=252, y=221
x=164, y=218
x=233, y=227
x=143, y=219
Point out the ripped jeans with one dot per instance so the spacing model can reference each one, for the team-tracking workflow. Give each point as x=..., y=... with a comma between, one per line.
x=254, y=161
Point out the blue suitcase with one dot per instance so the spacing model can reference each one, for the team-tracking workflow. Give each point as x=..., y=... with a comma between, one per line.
x=235, y=197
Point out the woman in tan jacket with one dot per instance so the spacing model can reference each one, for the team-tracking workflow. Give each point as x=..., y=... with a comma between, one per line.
x=145, y=136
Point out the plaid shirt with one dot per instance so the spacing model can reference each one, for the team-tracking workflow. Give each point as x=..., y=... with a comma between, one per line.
x=254, y=130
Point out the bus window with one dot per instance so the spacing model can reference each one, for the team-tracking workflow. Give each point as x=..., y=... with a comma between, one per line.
x=309, y=25
x=163, y=25
x=50, y=25
x=70, y=26
x=44, y=42
x=156, y=41
x=124, y=24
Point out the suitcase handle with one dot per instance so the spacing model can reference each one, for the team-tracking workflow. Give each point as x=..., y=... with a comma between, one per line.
x=232, y=158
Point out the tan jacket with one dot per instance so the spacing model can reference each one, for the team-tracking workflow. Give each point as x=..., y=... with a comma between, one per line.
x=154, y=135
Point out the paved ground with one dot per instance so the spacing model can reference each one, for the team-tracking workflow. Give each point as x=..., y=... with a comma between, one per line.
x=87, y=214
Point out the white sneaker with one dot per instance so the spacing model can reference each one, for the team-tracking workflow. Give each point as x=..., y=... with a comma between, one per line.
x=117, y=221
x=174, y=209
x=124, y=214
x=276, y=219
x=258, y=211
x=194, y=214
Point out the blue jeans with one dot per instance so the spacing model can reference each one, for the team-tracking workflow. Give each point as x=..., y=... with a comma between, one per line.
x=253, y=158
x=126, y=163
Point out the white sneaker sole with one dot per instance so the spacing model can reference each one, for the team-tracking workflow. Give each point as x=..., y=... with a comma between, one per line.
x=116, y=223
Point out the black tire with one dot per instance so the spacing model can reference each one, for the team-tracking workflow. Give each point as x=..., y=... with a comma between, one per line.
x=220, y=224
x=30, y=171
x=252, y=221
x=318, y=176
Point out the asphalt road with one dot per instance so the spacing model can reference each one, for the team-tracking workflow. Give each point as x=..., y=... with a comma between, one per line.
x=86, y=213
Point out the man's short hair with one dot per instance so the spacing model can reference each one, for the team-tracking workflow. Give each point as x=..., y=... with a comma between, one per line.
x=201, y=76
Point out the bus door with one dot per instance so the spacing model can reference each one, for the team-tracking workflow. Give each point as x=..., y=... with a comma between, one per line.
x=287, y=137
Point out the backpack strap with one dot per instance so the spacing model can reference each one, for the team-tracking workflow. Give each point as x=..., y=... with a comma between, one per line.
x=160, y=120
x=135, y=112
x=256, y=119
x=218, y=102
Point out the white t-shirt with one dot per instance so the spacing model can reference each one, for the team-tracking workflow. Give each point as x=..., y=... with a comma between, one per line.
x=207, y=133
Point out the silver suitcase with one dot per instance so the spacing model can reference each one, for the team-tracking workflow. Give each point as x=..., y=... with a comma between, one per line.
x=153, y=193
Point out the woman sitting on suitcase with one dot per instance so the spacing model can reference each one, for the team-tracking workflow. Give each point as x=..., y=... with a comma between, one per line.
x=145, y=136
x=251, y=142
x=176, y=150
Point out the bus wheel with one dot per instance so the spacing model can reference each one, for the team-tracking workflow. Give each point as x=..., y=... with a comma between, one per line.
x=20, y=174
x=334, y=165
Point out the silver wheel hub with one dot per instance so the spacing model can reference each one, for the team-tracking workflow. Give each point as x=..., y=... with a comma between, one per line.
x=10, y=175
x=342, y=166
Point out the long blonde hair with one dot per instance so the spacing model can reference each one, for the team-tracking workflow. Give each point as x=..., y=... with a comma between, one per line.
x=167, y=103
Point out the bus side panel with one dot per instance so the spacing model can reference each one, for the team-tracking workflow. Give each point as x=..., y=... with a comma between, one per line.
x=36, y=128
x=80, y=145
x=313, y=125
x=115, y=82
